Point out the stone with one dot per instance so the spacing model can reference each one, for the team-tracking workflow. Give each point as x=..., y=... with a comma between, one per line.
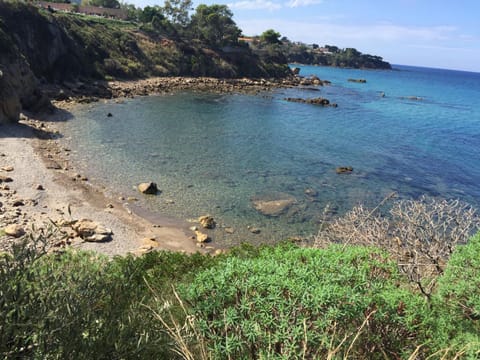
x=109, y=115
x=207, y=222
x=254, y=230
x=229, y=230
x=39, y=187
x=310, y=192
x=5, y=179
x=149, y=188
x=361, y=81
x=201, y=237
x=91, y=231
x=7, y=168
x=14, y=230
x=344, y=169
x=274, y=207
x=18, y=202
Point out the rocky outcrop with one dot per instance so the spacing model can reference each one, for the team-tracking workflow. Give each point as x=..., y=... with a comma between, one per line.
x=315, y=101
x=361, y=81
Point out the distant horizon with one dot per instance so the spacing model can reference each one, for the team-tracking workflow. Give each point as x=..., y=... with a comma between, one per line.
x=416, y=32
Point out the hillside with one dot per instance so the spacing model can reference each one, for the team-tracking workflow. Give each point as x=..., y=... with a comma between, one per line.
x=42, y=47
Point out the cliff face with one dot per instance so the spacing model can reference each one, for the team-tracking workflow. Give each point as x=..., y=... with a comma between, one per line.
x=39, y=48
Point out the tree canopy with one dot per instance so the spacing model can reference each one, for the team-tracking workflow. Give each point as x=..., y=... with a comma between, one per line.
x=213, y=24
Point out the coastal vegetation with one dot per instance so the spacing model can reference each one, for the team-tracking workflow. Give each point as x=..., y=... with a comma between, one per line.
x=341, y=298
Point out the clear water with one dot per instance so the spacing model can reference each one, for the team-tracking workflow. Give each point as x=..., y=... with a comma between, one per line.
x=213, y=154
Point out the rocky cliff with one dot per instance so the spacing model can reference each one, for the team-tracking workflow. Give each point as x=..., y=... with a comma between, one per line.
x=38, y=48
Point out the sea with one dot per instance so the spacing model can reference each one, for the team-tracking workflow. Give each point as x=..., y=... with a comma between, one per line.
x=411, y=131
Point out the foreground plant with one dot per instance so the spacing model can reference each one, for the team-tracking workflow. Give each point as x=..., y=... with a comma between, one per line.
x=291, y=302
x=420, y=234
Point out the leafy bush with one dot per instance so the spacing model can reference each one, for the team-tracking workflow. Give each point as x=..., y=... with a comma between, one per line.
x=291, y=302
x=82, y=305
x=459, y=300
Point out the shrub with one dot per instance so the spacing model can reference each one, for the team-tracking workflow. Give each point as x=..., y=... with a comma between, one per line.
x=421, y=234
x=458, y=300
x=82, y=305
x=291, y=302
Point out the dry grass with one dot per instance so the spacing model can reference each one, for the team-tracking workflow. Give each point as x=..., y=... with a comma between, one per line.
x=421, y=234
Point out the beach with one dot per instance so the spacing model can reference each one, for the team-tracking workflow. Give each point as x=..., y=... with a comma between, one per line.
x=40, y=189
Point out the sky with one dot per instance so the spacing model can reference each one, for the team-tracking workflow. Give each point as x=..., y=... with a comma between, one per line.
x=432, y=33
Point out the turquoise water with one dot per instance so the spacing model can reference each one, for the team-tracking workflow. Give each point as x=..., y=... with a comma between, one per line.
x=213, y=154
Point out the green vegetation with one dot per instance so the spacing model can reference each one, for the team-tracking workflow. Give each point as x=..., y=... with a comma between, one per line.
x=275, y=302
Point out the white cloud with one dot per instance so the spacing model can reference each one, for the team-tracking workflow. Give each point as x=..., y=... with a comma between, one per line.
x=300, y=3
x=255, y=5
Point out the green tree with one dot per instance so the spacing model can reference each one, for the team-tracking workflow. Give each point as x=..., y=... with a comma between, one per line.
x=149, y=13
x=270, y=37
x=112, y=4
x=177, y=11
x=214, y=25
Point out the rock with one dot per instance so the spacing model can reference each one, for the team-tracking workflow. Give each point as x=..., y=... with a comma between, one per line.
x=109, y=115
x=18, y=202
x=193, y=228
x=361, y=81
x=310, y=192
x=7, y=168
x=5, y=179
x=254, y=230
x=14, y=230
x=109, y=206
x=274, y=207
x=52, y=164
x=201, y=237
x=149, y=188
x=344, y=169
x=229, y=230
x=207, y=222
x=91, y=231
x=295, y=70
x=39, y=187
x=314, y=101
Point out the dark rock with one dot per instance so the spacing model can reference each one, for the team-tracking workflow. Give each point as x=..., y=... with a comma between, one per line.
x=314, y=101
x=361, y=81
x=344, y=169
x=149, y=188
x=109, y=115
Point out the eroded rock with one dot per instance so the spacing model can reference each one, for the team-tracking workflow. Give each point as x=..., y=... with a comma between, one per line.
x=207, y=222
x=273, y=206
x=14, y=230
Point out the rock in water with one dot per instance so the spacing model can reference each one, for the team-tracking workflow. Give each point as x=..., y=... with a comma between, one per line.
x=149, y=188
x=275, y=206
x=344, y=169
x=207, y=222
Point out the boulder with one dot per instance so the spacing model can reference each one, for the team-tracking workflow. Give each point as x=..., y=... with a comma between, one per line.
x=14, y=230
x=91, y=231
x=344, y=169
x=202, y=237
x=275, y=206
x=7, y=168
x=149, y=188
x=207, y=222
x=5, y=179
x=361, y=81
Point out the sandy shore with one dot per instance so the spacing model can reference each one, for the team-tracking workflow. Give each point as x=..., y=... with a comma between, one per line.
x=39, y=186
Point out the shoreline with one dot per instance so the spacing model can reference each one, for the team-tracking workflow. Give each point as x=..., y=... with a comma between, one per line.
x=39, y=188
x=34, y=152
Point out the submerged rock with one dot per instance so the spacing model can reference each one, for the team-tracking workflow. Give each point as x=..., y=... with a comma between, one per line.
x=314, y=101
x=361, y=81
x=344, y=169
x=273, y=206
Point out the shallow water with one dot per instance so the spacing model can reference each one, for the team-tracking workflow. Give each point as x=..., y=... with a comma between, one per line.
x=213, y=154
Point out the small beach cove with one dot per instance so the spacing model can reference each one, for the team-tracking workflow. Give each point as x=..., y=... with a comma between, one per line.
x=263, y=167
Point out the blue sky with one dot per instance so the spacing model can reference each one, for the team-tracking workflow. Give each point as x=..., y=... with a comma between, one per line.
x=434, y=33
